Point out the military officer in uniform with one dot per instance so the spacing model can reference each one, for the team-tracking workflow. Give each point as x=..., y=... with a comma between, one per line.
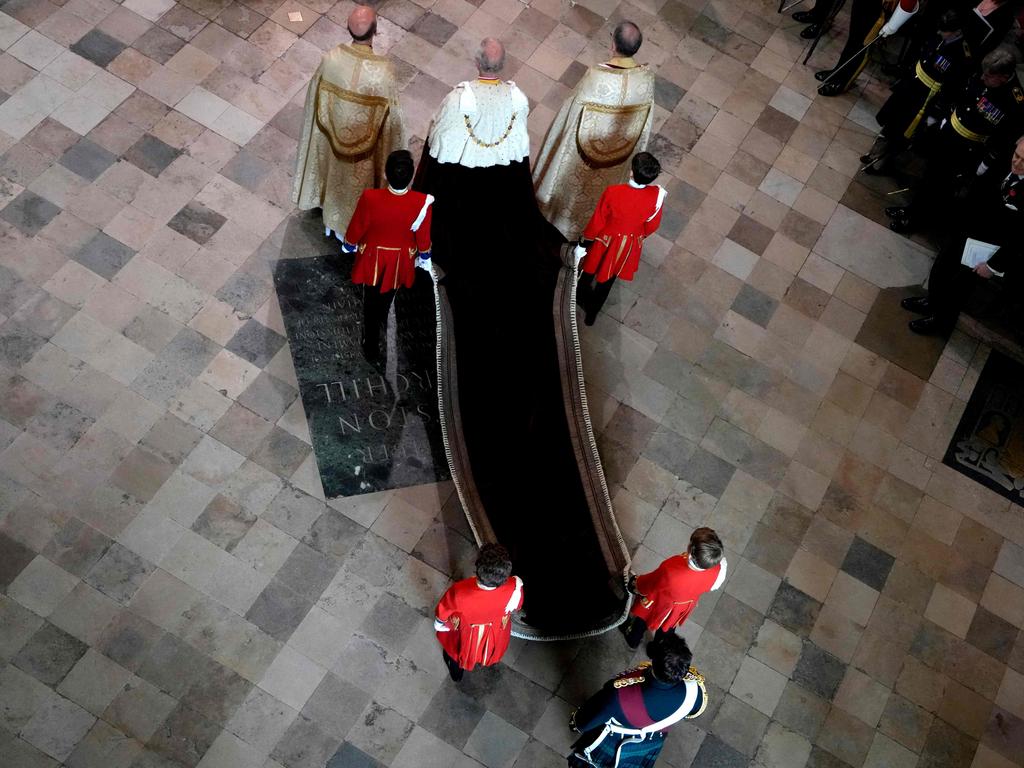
x=993, y=215
x=987, y=118
x=390, y=235
x=944, y=64
x=623, y=725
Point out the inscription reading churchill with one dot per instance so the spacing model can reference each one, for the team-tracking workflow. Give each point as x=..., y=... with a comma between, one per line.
x=371, y=428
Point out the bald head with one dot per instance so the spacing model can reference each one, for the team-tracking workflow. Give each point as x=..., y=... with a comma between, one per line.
x=362, y=23
x=490, y=57
x=627, y=38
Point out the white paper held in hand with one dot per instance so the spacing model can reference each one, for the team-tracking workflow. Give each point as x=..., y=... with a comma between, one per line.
x=977, y=252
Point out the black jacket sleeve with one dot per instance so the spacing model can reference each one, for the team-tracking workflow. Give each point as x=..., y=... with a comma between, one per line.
x=597, y=710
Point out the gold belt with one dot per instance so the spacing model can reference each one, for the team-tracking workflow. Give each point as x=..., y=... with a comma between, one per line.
x=968, y=134
x=933, y=85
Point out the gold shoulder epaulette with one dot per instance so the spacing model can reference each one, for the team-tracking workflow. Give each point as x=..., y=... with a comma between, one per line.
x=1018, y=94
x=632, y=676
x=693, y=674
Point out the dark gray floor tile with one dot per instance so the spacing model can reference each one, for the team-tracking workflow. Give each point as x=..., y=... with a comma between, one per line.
x=990, y=633
x=278, y=610
x=268, y=396
x=707, y=472
x=98, y=47
x=246, y=169
x=868, y=563
x=349, y=756
x=50, y=654
x=18, y=344
x=734, y=621
x=217, y=692
x=666, y=93
x=669, y=450
x=256, y=343
x=281, y=452
x=172, y=665
x=184, y=736
x=223, y=522
x=197, y=222
x=819, y=671
x=801, y=711
x=29, y=212
x=150, y=154
x=304, y=745
x=60, y=426
x=754, y=305
x=335, y=705
x=793, y=609
x=77, y=547
x=715, y=753
x=119, y=573
x=129, y=639
x=88, y=159
x=307, y=572
x=452, y=715
x=103, y=255
x=158, y=44
x=390, y=623
x=14, y=556
x=334, y=534
x=246, y=292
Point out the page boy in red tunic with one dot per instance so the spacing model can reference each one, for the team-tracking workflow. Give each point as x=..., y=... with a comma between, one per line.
x=389, y=228
x=473, y=619
x=669, y=593
x=625, y=215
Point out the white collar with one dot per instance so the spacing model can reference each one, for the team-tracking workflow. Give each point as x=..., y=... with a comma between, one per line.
x=634, y=185
x=484, y=587
x=398, y=191
x=692, y=565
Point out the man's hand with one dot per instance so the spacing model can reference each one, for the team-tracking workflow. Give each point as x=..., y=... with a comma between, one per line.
x=423, y=262
x=982, y=270
x=579, y=252
x=348, y=247
x=982, y=168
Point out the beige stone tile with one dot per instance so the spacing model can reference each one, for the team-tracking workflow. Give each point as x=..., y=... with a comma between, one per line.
x=804, y=485
x=853, y=598
x=862, y=696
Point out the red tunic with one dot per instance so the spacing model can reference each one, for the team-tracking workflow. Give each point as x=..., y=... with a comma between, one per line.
x=476, y=621
x=671, y=591
x=624, y=216
x=382, y=228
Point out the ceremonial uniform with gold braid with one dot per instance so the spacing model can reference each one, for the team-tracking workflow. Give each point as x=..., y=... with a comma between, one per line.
x=623, y=725
x=352, y=122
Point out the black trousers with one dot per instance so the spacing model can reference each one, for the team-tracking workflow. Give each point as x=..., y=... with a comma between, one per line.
x=455, y=672
x=864, y=16
x=635, y=628
x=592, y=295
x=822, y=10
x=375, y=313
x=952, y=163
x=950, y=283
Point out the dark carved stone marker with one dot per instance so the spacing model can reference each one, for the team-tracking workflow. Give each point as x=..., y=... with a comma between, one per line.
x=372, y=428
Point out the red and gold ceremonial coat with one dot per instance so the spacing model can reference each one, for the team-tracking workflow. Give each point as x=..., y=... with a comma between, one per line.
x=625, y=215
x=669, y=593
x=474, y=624
x=388, y=228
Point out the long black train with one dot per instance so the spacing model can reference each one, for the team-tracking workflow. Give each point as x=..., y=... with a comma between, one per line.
x=517, y=434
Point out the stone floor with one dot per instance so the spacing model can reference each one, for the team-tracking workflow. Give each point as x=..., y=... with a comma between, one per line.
x=175, y=591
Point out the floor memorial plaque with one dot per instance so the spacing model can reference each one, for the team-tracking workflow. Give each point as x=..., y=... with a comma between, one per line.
x=988, y=444
x=372, y=427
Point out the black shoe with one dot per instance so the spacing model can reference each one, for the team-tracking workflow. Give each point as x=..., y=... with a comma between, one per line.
x=822, y=75
x=896, y=212
x=810, y=32
x=901, y=225
x=804, y=17
x=832, y=89
x=866, y=159
x=917, y=304
x=589, y=319
x=929, y=326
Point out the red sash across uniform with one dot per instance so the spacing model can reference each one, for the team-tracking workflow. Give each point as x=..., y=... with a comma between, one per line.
x=624, y=216
x=671, y=591
x=389, y=228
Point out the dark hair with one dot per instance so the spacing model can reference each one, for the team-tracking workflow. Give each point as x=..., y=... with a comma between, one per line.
x=949, y=21
x=493, y=565
x=645, y=167
x=706, y=548
x=369, y=33
x=1001, y=61
x=399, y=168
x=627, y=37
x=670, y=657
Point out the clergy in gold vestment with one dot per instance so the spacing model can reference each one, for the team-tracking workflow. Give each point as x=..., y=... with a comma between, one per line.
x=593, y=138
x=352, y=123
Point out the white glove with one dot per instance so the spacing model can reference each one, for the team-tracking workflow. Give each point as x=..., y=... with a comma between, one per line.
x=423, y=263
x=982, y=168
x=579, y=252
x=930, y=121
x=898, y=19
x=348, y=247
